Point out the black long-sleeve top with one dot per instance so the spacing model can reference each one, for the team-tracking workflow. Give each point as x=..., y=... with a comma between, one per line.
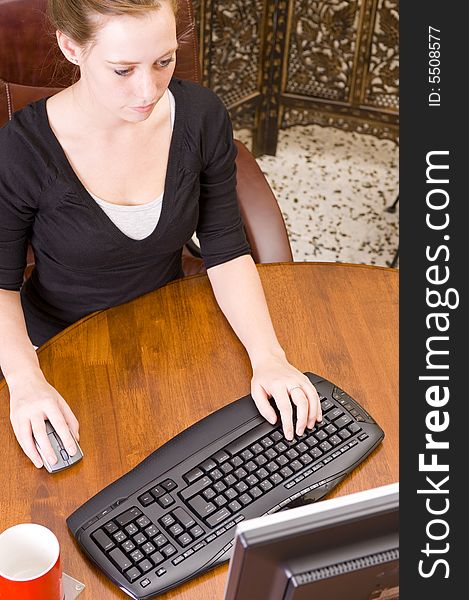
x=83, y=262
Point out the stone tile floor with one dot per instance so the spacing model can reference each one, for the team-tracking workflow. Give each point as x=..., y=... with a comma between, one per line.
x=333, y=188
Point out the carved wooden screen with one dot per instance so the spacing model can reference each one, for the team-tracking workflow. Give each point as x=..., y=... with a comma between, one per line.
x=278, y=63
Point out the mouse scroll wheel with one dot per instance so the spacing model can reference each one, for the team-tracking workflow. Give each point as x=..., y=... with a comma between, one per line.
x=64, y=454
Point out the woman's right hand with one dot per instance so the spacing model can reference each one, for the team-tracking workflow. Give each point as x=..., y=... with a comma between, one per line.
x=32, y=401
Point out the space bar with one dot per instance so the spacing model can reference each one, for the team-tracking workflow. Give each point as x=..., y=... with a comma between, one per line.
x=248, y=438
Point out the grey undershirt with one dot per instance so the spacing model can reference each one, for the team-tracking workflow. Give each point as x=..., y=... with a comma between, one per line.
x=136, y=221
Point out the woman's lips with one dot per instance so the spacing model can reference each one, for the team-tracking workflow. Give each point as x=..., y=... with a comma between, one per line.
x=143, y=108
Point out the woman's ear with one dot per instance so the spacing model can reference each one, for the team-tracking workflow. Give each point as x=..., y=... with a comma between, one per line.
x=70, y=49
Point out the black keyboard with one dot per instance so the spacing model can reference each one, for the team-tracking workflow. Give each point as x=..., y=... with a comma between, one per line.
x=174, y=515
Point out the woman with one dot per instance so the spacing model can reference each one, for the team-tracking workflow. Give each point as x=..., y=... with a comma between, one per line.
x=109, y=178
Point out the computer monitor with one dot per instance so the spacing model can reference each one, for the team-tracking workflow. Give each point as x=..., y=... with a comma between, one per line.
x=346, y=548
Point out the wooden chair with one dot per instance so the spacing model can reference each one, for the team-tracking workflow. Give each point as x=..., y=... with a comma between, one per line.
x=32, y=66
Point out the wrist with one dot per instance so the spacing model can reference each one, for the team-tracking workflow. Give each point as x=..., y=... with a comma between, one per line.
x=20, y=379
x=259, y=356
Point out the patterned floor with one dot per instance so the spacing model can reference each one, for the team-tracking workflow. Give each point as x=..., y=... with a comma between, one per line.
x=333, y=188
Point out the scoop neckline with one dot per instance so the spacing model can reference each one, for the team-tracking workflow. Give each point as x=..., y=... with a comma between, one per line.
x=169, y=187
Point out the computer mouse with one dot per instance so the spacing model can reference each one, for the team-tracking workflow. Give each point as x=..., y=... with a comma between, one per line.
x=64, y=459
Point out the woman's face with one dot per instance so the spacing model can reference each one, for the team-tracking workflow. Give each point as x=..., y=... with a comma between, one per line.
x=129, y=67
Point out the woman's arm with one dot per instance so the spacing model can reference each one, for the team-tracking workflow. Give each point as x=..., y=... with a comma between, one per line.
x=238, y=291
x=32, y=398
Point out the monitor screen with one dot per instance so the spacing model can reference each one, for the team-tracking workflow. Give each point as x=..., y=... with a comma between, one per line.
x=346, y=548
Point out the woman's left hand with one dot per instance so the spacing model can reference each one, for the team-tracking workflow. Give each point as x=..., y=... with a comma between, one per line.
x=276, y=377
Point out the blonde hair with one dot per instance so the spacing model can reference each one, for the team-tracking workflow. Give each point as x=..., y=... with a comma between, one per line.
x=75, y=19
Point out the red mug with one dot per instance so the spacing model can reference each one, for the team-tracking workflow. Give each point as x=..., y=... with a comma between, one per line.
x=30, y=564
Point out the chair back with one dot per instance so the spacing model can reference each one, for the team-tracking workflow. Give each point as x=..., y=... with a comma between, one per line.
x=32, y=65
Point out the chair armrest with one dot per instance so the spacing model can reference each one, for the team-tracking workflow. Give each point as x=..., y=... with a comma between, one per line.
x=261, y=214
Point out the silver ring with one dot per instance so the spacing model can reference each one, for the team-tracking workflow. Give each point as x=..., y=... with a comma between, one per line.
x=294, y=388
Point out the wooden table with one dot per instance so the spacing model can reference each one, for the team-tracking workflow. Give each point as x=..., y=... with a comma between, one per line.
x=138, y=374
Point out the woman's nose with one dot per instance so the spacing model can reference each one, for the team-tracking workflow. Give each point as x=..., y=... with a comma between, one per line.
x=148, y=87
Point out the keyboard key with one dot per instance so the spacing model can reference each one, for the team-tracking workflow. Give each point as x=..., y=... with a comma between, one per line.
x=270, y=453
x=216, y=474
x=256, y=448
x=250, y=466
x=344, y=433
x=276, y=478
x=267, y=442
x=292, y=453
x=245, y=499
x=272, y=466
x=111, y=527
x=196, y=487
x=335, y=413
x=301, y=447
x=167, y=520
x=306, y=459
x=246, y=454
x=169, y=550
x=342, y=421
x=136, y=556
x=226, y=467
x=219, y=486
x=252, y=480
x=209, y=493
x=326, y=405
x=220, y=457
x=151, y=531
x=148, y=548
x=236, y=461
x=330, y=429
x=119, y=536
x=282, y=460
x=241, y=487
x=208, y=464
x=354, y=428
x=286, y=472
x=166, y=500
x=234, y=506
x=255, y=492
x=185, y=539
x=201, y=506
x=128, y=546
x=311, y=441
x=196, y=531
x=325, y=446
x=276, y=436
x=161, y=572
x=131, y=529
x=145, y=582
x=145, y=565
x=157, y=558
x=262, y=473
x=128, y=515
x=240, y=473
x=315, y=452
x=169, y=485
x=143, y=521
x=218, y=517
x=230, y=480
x=193, y=475
x=183, y=517
x=335, y=440
x=146, y=499
x=266, y=485
x=220, y=500
x=103, y=540
x=260, y=460
x=159, y=541
x=176, y=530
x=320, y=435
x=158, y=491
x=281, y=447
x=120, y=559
x=133, y=574
x=231, y=493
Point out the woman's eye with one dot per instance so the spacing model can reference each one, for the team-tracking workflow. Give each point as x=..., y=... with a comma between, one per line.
x=166, y=63
x=122, y=72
